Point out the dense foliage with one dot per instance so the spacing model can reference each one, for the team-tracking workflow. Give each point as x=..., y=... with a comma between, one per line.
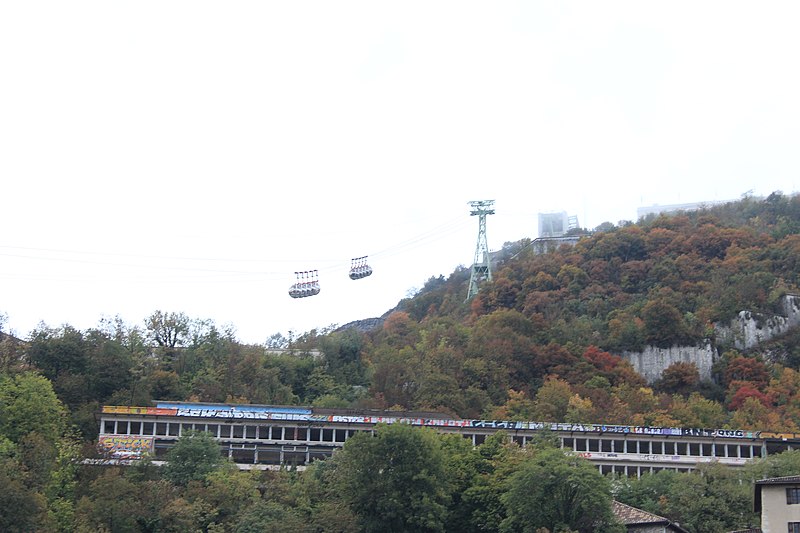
x=541, y=341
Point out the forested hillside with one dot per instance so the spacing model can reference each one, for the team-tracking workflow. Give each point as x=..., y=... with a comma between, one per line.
x=542, y=341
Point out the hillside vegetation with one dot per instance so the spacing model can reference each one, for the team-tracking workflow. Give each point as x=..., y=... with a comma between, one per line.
x=541, y=341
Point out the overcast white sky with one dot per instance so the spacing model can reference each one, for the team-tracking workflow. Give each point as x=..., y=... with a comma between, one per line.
x=191, y=156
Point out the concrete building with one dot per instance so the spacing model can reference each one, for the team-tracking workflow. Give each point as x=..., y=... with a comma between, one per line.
x=642, y=212
x=778, y=501
x=556, y=224
x=263, y=436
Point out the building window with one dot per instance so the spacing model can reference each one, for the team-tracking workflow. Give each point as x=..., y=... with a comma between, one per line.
x=794, y=527
x=658, y=447
x=793, y=495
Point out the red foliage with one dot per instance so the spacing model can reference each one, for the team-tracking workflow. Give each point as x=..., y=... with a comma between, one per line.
x=612, y=367
x=747, y=369
x=603, y=361
x=745, y=390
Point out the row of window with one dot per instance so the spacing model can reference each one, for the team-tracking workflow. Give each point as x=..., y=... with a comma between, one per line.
x=228, y=431
x=637, y=471
x=657, y=447
x=338, y=435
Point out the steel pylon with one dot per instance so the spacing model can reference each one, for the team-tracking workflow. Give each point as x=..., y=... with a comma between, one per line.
x=481, y=265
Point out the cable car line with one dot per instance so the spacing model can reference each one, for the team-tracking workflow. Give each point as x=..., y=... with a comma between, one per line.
x=306, y=283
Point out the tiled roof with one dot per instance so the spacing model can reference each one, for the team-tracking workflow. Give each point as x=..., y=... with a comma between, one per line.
x=761, y=483
x=631, y=515
x=779, y=480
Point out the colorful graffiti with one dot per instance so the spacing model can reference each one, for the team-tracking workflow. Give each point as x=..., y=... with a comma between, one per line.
x=150, y=411
x=236, y=408
x=125, y=446
x=230, y=412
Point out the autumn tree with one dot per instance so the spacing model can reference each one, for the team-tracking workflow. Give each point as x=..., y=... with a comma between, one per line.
x=678, y=378
x=663, y=324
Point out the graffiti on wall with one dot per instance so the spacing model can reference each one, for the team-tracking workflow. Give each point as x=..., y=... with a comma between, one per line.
x=228, y=412
x=125, y=446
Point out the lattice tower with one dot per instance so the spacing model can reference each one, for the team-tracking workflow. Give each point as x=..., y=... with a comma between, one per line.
x=481, y=265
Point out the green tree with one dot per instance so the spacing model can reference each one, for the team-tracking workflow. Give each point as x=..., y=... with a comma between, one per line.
x=557, y=491
x=648, y=492
x=22, y=508
x=269, y=516
x=783, y=464
x=54, y=351
x=342, y=356
x=109, y=365
x=194, y=456
x=481, y=507
x=169, y=332
x=28, y=403
x=396, y=480
x=109, y=504
x=710, y=500
x=226, y=492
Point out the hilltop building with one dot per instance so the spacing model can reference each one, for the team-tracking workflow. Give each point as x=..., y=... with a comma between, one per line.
x=556, y=224
x=553, y=232
x=655, y=209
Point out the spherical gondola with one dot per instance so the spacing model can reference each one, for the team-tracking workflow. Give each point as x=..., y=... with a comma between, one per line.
x=307, y=284
x=359, y=268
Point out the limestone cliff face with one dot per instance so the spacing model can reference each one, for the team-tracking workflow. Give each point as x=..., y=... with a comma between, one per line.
x=744, y=332
x=748, y=330
x=652, y=361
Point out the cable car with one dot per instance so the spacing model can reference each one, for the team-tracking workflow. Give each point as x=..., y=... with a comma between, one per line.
x=359, y=268
x=306, y=284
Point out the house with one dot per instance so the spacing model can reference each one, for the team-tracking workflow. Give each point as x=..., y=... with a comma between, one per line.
x=639, y=521
x=778, y=501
